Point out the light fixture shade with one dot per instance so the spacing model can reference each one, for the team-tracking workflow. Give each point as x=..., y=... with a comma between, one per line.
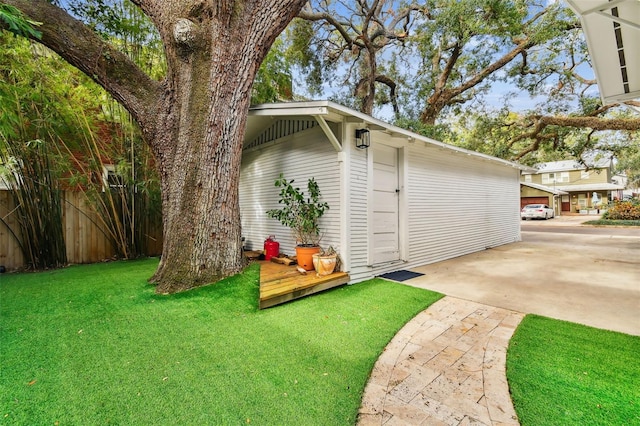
x=363, y=140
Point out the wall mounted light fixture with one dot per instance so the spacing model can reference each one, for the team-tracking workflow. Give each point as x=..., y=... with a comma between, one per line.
x=363, y=140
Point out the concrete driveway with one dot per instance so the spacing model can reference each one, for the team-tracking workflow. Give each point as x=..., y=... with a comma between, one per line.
x=584, y=278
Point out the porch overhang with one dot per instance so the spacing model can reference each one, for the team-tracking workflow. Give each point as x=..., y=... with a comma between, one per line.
x=591, y=187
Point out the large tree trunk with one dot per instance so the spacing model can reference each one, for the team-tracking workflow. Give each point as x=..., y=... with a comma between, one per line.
x=204, y=127
x=194, y=121
x=201, y=216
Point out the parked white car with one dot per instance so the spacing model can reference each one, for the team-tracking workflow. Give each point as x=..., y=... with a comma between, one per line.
x=536, y=211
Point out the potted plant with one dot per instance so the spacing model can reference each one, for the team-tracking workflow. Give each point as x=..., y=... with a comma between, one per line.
x=325, y=261
x=301, y=214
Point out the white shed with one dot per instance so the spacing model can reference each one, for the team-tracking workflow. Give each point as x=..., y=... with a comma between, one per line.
x=405, y=201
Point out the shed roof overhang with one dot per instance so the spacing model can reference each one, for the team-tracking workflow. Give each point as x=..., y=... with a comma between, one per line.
x=260, y=115
x=612, y=31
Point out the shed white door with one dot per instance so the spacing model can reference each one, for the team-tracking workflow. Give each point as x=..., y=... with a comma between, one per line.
x=385, y=205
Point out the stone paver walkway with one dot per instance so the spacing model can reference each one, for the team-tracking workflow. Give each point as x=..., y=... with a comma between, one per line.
x=444, y=367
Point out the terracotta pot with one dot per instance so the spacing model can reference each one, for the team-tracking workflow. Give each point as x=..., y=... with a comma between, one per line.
x=324, y=265
x=305, y=256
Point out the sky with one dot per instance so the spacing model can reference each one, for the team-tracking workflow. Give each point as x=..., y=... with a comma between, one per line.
x=518, y=100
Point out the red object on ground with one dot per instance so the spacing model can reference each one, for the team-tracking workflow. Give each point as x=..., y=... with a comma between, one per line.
x=271, y=247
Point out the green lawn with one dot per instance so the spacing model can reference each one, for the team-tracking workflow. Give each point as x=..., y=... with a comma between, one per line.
x=94, y=345
x=562, y=373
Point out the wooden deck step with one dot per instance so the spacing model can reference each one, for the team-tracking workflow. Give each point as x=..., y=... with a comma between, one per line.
x=280, y=283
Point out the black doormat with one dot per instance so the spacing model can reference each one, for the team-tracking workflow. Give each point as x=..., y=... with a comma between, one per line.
x=401, y=275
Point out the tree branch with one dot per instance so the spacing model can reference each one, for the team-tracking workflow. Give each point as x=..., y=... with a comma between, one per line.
x=495, y=66
x=440, y=99
x=387, y=81
x=540, y=123
x=595, y=123
x=308, y=14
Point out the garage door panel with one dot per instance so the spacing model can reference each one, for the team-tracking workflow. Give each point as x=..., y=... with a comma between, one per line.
x=533, y=200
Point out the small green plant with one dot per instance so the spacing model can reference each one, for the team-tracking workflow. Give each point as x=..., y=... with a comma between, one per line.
x=298, y=212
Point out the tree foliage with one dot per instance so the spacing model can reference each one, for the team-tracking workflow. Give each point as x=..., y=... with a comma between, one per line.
x=54, y=116
x=27, y=160
x=442, y=61
x=274, y=81
x=349, y=39
x=17, y=23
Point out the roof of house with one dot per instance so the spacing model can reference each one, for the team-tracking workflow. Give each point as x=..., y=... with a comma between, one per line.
x=544, y=188
x=612, y=31
x=568, y=165
x=260, y=116
x=590, y=187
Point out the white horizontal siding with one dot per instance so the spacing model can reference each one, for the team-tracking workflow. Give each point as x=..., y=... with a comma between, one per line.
x=456, y=204
x=358, y=210
x=301, y=156
x=281, y=129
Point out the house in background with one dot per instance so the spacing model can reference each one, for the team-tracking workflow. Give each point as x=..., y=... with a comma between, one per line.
x=631, y=188
x=584, y=187
x=404, y=201
x=532, y=193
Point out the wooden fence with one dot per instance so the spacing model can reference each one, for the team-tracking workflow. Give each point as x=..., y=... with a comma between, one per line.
x=86, y=238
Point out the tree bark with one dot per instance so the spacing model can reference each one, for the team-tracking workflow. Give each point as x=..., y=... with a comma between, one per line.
x=204, y=118
x=194, y=120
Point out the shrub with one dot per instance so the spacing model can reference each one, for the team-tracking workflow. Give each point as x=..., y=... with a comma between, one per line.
x=300, y=213
x=623, y=210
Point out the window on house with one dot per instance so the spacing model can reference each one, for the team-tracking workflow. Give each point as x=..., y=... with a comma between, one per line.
x=527, y=178
x=111, y=178
x=550, y=178
x=584, y=174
